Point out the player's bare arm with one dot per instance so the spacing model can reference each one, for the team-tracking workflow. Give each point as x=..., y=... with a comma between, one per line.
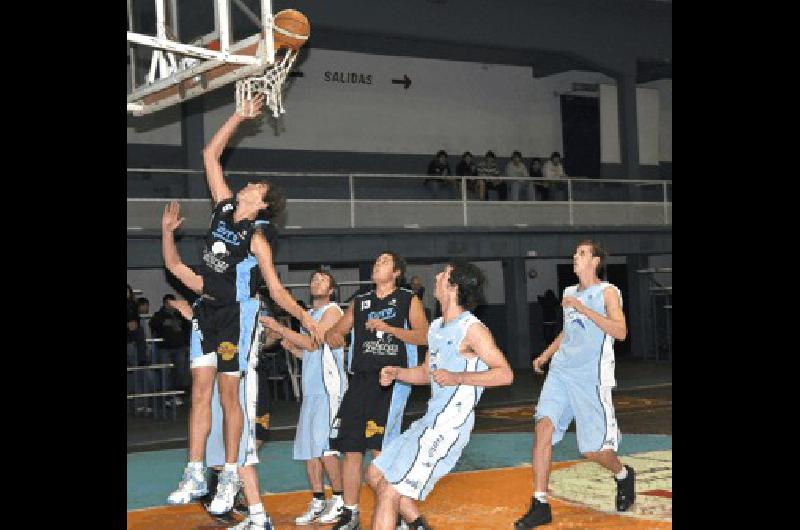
x=328, y=319
x=547, y=354
x=170, y=222
x=479, y=341
x=418, y=375
x=613, y=324
x=263, y=253
x=213, y=151
x=418, y=334
x=334, y=337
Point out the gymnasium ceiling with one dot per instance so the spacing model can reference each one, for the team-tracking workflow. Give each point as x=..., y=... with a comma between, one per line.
x=471, y=30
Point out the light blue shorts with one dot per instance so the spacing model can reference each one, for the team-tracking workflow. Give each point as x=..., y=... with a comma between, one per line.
x=590, y=405
x=312, y=438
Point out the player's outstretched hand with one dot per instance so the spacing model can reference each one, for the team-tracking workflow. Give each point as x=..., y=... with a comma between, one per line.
x=270, y=323
x=388, y=374
x=446, y=377
x=171, y=219
x=537, y=364
x=252, y=109
x=334, y=340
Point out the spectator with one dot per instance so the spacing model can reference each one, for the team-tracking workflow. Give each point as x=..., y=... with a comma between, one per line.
x=168, y=324
x=135, y=337
x=554, y=169
x=439, y=167
x=535, y=171
x=515, y=168
x=488, y=168
x=468, y=168
x=143, y=306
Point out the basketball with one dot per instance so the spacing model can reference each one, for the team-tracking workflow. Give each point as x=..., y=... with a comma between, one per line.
x=291, y=29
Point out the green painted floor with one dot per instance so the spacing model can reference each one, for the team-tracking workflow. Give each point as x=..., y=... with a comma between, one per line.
x=152, y=475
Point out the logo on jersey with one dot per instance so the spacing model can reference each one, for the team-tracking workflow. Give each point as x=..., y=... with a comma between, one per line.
x=365, y=304
x=382, y=346
x=227, y=208
x=384, y=314
x=228, y=236
x=393, y=301
x=227, y=350
x=373, y=429
x=219, y=249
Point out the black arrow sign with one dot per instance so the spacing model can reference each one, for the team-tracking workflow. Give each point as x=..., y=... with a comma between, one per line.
x=406, y=82
x=296, y=74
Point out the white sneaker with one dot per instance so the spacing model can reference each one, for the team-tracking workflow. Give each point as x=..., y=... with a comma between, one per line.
x=332, y=511
x=227, y=487
x=192, y=485
x=249, y=524
x=402, y=526
x=315, y=509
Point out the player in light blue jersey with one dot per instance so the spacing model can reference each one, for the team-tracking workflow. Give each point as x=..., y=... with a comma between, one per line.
x=462, y=360
x=323, y=385
x=579, y=383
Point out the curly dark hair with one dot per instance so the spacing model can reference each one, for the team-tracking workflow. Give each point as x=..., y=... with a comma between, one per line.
x=275, y=198
x=470, y=281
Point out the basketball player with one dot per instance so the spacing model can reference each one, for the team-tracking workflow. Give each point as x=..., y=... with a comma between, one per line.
x=323, y=385
x=462, y=360
x=387, y=323
x=224, y=319
x=579, y=383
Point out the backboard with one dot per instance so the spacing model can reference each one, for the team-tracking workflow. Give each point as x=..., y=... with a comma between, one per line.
x=179, y=71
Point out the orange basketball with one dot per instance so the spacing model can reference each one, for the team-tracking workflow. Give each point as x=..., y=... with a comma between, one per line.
x=291, y=29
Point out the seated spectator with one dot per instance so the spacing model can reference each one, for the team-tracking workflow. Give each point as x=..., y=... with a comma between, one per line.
x=468, y=168
x=515, y=168
x=535, y=171
x=168, y=324
x=135, y=352
x=554, y=169
x=439, y=167
x=488, y=168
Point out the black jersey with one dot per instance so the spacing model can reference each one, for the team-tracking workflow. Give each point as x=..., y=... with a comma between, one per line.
x=230, y=272
x=372, y=350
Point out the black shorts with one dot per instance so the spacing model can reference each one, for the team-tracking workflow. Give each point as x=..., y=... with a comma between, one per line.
x=220, y=328
x=263, y=405
x=363, y=414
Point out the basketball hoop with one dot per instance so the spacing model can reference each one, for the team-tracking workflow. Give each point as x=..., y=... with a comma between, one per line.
x=270, y=84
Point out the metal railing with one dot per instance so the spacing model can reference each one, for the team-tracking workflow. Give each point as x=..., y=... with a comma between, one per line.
x=361, y=196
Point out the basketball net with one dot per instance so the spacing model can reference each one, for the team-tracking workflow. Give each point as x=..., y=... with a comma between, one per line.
x=270, y=84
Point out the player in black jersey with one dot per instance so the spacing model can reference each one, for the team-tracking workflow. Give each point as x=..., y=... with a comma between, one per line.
x=224, y=319
x=387, y=323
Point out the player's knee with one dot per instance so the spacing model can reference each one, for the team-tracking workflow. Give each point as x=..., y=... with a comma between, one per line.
x=201, y=396
x=374, y=477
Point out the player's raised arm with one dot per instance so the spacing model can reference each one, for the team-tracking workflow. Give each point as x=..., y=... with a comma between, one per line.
x=480, y=341
x=213, y=151
x=170, y=221
x=263, y=253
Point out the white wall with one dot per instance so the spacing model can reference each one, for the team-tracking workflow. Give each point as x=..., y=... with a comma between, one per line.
x=654, y=122
x=664, y=87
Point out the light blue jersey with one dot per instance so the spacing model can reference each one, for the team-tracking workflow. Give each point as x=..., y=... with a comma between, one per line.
x=323, y=384
x=430, y=448
x=586, y=353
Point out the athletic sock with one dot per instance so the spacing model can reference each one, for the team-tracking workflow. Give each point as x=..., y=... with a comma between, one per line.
x=230, y=468
x=257, y=514
x=353, y=508
x=540, y=496
x=622, y=475
x=195, y=466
